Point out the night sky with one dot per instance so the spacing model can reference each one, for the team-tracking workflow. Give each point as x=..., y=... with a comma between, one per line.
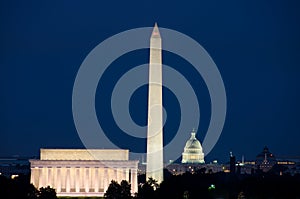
x=255, y=44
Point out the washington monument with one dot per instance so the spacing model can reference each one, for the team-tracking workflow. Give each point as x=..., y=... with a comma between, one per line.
x=155, y=110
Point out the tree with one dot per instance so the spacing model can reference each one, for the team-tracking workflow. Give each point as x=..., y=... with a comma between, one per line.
x=32, y=192
x=201, y=171
x=147, y=190
x=117, y=191
x=186, y=194
x=47, y=193
x=241, y=195
x=153, y=183
x=125, y=189
x=113, y=191
x=18, y=188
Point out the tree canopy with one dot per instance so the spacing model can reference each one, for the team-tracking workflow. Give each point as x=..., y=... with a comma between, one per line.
x=118, y=191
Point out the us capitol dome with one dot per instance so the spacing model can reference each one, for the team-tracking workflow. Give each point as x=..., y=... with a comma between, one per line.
x=193, y=150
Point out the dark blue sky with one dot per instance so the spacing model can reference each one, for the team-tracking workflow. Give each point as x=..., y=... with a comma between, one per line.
x=255, y=44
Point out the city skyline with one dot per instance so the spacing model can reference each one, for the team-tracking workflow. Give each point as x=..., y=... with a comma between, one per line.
x=255, y=46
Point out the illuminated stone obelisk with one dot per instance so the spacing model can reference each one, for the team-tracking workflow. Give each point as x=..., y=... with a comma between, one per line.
x=155, y=110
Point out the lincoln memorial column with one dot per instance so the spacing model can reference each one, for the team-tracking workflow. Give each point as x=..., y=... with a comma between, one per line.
x=77, y=179
x=86, y=180
x=115, y=175
x=123, y=173
x=120, y=175
x=34, y=176
x=45, y=176
x=72, y=179
x=96, y=179
x=68, y=186
x=54, y=177
x=105, y=179
x=101, y=179
x=134, y=187
x=50, y=178
x=92, y=179
x=63, y=178
x=58, y=179
x=82, y=177
x=127, y=174
x=40, y=177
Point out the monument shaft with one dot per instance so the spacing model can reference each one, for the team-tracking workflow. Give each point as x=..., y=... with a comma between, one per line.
x=155, y=110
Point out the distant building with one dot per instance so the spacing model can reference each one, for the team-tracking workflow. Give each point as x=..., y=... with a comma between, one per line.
x=179, y=168
x=192, y=159
x=193, y=150
x=14, y=166
x=290, y=163
x=83, y=172
x=232, y=163
x=265, y=160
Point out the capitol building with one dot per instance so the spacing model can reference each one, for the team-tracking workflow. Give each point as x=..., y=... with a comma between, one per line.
x=193, y=159
x=193, y=150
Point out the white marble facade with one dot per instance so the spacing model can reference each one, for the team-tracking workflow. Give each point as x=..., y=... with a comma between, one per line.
x=81, y=172
x=155, y=110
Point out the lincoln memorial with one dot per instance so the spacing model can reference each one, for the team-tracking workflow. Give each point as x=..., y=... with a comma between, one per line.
x=83, y=172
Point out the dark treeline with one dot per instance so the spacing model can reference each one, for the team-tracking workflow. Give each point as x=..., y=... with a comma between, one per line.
x=219, y=185
x=225, y=185
x=20, y=188
x=187, y=186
